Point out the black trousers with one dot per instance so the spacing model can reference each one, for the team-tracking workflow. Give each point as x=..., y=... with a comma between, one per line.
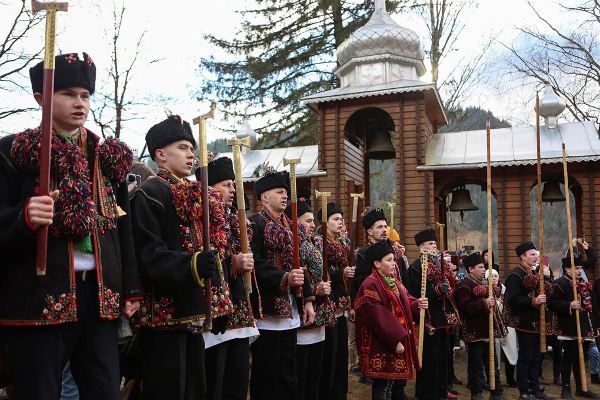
x=528, y=363
x=552, y=340
x=478, y=351
x=432, y=378
x=570, y=361
x=38, y=355
x=172, y=365
x=310, y=362
x=334, y=376
x=381, y=389
x=274, y=366
x=228, y=370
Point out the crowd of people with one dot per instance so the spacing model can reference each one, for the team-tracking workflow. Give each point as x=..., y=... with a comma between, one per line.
x=120, y=251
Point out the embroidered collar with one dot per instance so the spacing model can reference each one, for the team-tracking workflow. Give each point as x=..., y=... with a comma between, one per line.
x=76, y=213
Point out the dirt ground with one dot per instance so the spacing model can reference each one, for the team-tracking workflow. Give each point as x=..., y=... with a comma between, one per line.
x=358, y=391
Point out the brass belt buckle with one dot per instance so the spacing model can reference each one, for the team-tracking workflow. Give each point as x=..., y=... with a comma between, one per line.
x=83, y=275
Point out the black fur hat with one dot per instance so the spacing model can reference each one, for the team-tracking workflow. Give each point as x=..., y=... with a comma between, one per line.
x=378, y=250
x=69, y=70
x=220, y=169
x=168, y=131
x=472, y=260
x=523, y=247
x=566, y=262
x=425, y=236
x=332, y=208
x=303, y=206
x=272, y=180
x=376, y=214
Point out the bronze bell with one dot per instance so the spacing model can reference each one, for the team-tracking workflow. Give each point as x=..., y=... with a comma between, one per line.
x=461, y=201
x=552, y=192
x=380, y=146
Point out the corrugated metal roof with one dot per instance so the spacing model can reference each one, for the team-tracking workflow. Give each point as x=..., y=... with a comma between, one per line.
x=512, y=146
x=308, y=167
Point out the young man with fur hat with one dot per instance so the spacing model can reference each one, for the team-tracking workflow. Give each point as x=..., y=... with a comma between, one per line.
x=173, y=264
x=474, y=304
x=432, y=379
x=274, y=352
x=385, y=312
x=562, y=301
x=227, y=362
x=334, y=379
x=311, y=338
x=521, y=310
x=70, y=313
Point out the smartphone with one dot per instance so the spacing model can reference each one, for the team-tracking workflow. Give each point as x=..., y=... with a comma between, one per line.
x=134, y=178
x=469, y=248
x=546, y=261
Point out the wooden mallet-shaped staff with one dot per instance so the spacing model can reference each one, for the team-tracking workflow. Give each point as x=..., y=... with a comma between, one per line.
x=353, y=233
x=45, y=149
x=294, y=202
x=241, y=202
x=203, y=152
x=424, y=264
x=324, y=217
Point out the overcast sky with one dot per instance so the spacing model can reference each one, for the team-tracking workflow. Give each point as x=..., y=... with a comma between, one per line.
x=174, y=34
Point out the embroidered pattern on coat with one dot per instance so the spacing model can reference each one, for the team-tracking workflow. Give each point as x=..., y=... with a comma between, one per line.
x=59, y=308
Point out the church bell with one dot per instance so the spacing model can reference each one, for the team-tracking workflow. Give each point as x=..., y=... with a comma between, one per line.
x=461, y=201
x=380, y=146
x=552, y=192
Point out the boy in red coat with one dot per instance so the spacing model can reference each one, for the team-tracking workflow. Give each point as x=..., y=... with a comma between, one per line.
x=384, y=323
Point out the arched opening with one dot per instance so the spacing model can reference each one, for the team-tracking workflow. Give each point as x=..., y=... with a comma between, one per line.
x=364, y=130
x=472, y=228
x=556, y=234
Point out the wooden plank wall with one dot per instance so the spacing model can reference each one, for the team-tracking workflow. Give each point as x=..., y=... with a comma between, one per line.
x=513, y=218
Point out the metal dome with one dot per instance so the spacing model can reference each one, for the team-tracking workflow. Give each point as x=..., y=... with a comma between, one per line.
x=381, y=36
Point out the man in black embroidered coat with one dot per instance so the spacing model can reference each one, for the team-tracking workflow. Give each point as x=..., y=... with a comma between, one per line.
x=521, y=311
x=563, y=303
x=432, y=379
x=167, y=232
x=474, y=305
x=227, y=362
x=91, y=275
x=274, y=352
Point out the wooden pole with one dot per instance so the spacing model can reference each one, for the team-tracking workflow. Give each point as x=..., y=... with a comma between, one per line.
x=46, y=136
x=574, y=278
x=294, y=202
x=324, y=216
x=542, y=289
x=241, y=202
x=424, y=264
x=492, y=377
x=392, y=206
x=203, y=151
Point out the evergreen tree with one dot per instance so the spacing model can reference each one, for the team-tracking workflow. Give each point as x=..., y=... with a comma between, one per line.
x=285, y=50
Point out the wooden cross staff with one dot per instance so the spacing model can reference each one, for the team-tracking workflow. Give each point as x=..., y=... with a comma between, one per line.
x=201, y=122
x=241, y=202
x=46, y=139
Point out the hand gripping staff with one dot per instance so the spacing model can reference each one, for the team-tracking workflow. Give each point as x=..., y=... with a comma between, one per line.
x=492, y=371
x=574, y=276
x=324, y=216
x=45, y=149
x=201, y=122
x=241, y=202
x=424, y=265
x=292, y=163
